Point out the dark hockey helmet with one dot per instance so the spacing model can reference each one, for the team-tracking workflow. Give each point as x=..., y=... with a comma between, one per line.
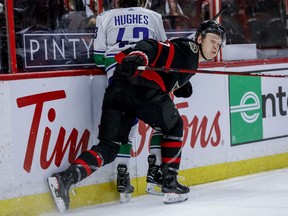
x=129, y=3
x=211, y=26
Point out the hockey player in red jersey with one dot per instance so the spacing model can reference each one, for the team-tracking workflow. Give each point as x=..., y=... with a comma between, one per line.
x=145, y=95
x=117, y=30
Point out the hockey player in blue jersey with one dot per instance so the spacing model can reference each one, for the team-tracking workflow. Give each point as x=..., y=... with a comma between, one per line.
x=145, y=95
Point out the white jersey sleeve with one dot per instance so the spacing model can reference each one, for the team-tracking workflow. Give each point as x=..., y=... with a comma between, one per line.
x=160, y=33
x=100, y=45
x=120, y=29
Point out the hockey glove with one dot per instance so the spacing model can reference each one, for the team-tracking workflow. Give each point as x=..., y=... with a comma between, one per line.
x=185, y=91
x=129, y=64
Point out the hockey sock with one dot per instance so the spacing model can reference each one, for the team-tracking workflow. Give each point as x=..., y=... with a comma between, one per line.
x=124, y=154
x=155, y=146
x=171, y=153
x=87, y=163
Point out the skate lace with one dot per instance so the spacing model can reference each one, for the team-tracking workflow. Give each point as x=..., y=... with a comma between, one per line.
x=72, y=189
x=152, y=172
x=121, y=181
x=181, y=178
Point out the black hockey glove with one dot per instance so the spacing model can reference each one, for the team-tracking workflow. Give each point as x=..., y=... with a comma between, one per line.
x=185, y=91
x=129, y=64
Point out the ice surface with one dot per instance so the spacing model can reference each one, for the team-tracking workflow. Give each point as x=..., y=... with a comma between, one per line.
x=263, y=194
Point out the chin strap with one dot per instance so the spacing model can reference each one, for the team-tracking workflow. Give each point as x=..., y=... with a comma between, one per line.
x=200, y=48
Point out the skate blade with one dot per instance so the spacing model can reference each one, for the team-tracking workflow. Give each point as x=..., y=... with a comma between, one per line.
x=171, y=198
x=125, y=197
x=54, y=186
x=154, y=189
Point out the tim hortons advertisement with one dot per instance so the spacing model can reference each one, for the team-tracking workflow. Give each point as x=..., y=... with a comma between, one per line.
x=206, y=132
x=54, y=119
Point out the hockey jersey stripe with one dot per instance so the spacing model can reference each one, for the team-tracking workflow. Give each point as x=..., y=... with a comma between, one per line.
x=154, y=76
x=119, y=57
x=158, y=54
x=84, y=165
x=97, y=157
x=171, y=144
x=170, y=55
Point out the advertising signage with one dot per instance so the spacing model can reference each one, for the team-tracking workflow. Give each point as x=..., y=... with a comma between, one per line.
x=65, y=50
x=258, y=109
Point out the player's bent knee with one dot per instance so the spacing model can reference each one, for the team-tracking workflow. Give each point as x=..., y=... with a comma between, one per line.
x=108, y=150
x=177, y=129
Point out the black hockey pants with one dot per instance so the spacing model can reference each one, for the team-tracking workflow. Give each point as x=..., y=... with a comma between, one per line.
x=122, y=103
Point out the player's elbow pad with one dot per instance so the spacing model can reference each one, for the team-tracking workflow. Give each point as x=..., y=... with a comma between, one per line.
x=185, y=91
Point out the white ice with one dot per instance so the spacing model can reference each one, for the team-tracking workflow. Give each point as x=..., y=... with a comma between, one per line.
x=263, y=194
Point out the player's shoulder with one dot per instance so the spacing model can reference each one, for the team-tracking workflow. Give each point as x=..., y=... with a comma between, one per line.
x=184, y=39
x=107, y=15
x=185, y=43
x=112, y=12
x=104, y=13
x=143, y=11
x=117, y=11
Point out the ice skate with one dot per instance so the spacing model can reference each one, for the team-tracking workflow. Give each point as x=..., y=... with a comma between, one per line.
x=59, y=185
x=154, y=177
x=173, y=191
x=123, y=184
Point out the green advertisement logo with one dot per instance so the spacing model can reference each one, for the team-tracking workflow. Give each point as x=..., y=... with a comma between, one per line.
x=245, y=109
